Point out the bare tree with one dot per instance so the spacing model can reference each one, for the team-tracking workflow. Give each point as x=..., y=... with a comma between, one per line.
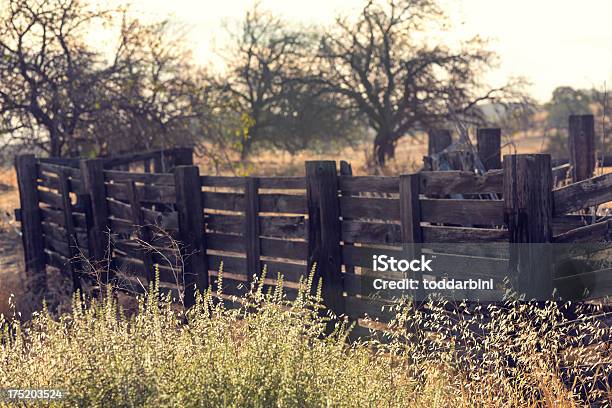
x=60, y=94
x=261, y=61
x=384, y=68
x=47, y=71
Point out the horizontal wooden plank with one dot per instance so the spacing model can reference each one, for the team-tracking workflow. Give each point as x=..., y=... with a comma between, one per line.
x=55, y=260
x=282, y=203
x=58, y=246
x=60, y=161
x=57, y=169
x=282, y=183
x=58, y=232
x=564, y=223
x=223, y=201
x=147, y=193
x=225, y=242
x=222, y=181
x=585, y=286
x=121, y=226
x=369, y=208
x=374, y=184
x=147, y=178
x=135, y=267
x=224, y=223
x=50, y=198
x=359, y=307
x=282, y=248
x=164, y=257
x=607, y=161
x=151, y=217
x=432, y=233
x=233, y=264
x=51, y=181
x=460, y=182
x=560, y=172
x=283, y=226
x=598, y=232
x=371, y=232
x=291, y=272
x=462, y=212
x=232, y=284
x=57, y=217
x=584, y=194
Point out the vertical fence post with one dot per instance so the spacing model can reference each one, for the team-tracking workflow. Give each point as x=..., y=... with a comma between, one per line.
x=581, y=146
x=251, y=227
x=191, y=230
x=410, y=218
x=489, y=147
x=183, y=156
x=437, y=140
x=347, y=170
x=31, y=227
x=93, y=180
x=71, y=236
x=528, y=211
x=324, y=235
x=144, y=232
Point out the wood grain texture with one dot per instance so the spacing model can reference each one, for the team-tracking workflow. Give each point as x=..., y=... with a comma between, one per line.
x=584, y=194
x=528, y=209
x=460, y=182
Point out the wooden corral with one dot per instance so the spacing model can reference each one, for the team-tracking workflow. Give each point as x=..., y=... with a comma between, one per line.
x=79, y=215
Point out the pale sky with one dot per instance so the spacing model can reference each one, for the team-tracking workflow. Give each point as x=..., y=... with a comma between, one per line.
x=550, y=42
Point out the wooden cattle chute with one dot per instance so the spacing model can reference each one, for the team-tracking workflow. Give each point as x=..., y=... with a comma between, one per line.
x=77, y=214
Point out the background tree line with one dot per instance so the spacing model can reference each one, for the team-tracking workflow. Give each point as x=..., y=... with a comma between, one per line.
x=374, y=77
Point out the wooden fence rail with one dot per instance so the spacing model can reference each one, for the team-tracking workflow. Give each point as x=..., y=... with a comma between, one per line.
x=190, y=227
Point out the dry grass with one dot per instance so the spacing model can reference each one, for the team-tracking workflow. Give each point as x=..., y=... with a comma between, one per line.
x=275, y=352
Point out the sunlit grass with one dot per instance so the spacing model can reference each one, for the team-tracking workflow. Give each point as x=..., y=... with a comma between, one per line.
x=275, y=352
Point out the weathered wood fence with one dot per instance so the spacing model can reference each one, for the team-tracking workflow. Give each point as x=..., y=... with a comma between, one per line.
x=77, y=215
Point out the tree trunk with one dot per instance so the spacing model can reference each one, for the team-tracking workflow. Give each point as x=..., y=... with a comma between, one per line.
x=54, y=140
x=384, y=147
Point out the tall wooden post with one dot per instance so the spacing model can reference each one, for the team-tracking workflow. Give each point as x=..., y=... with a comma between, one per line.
x=489, y=147
x=93, y=179
x=528, y=211
x=324, y=233
x=183, y=156
x=410, y=218
x=31, y=227
x=74, y=266
x=191, y=230
x=438, y=140
x=347, y=170
x=582, y=146
x=251, y=227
